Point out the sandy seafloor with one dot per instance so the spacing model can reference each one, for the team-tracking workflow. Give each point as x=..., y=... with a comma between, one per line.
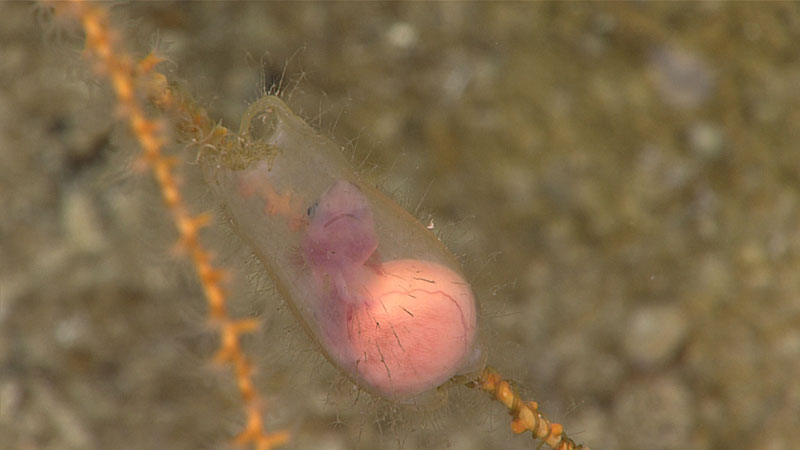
x=619, y=180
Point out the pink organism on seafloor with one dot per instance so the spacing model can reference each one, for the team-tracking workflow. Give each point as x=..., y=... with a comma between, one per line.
x=400, y=327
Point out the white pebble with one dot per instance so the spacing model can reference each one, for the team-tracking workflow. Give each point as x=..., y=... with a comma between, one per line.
x=654, y=335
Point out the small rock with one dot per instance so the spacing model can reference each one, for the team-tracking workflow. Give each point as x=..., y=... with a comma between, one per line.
x=682, y=77
x=706, y=140
x=654, y=335
x=402, y=35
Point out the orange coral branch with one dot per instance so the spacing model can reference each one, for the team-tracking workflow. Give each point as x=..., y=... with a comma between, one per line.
x=117, y=65
x=526, y=416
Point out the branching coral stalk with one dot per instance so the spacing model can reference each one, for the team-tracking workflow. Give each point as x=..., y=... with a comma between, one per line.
x=526, y=415
x=116, y=64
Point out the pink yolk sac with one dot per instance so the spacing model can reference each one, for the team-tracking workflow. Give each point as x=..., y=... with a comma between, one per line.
x=412, y=328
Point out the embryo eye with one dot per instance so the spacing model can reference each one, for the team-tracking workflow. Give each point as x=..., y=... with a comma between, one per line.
x=312, y=209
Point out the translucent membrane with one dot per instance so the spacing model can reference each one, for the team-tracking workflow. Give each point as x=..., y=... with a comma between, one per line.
x=376, y=289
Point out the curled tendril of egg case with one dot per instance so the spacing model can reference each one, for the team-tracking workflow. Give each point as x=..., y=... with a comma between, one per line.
x=372, y=286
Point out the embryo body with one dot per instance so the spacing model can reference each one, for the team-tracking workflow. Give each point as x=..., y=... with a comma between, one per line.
x=339, y=239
